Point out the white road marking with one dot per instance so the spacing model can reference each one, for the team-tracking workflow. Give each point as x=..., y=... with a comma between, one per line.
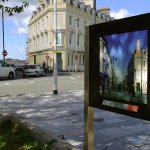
x=72, y=78
x=16, y=83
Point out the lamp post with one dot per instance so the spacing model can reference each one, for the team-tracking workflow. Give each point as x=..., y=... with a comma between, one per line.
x=55, y=49
x=141, y=73
x=76, y=42
x=114, y=83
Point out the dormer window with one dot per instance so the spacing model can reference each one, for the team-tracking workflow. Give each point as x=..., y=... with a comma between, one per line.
x=70, y=20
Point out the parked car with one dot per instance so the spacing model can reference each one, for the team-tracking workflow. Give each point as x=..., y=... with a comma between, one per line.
x=6, y=70
x=19, y=67
x=33, y=70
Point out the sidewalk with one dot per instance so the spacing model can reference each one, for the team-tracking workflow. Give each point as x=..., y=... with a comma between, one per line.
x=62, y=114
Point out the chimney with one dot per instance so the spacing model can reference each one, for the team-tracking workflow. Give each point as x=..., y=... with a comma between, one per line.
x=105, y=11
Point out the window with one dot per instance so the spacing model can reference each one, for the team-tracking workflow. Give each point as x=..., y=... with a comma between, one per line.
x=47, y=20
x=34, y=44
x=83, y=60
x=43, y=23
x=47, y=39
x=78, y=40
x=70, y=20
x=78, y=22
x=38, y=25
x=43, y=41
x=68, y=59
x=35, y=28
x=84, y=24
x=71, y=38
x=38, y=42
x=72, y=60
x=79, y=60
x=59, y=38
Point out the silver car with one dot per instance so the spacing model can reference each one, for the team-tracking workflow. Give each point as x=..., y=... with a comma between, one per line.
x=33, y=70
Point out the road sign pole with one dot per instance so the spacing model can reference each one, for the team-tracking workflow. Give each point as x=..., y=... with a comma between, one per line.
x=55, y=49
x=3, y=32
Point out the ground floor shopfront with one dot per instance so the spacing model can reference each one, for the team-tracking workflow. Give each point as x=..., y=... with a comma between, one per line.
x=66, y=60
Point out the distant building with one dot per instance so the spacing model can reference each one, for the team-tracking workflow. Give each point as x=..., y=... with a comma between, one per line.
x=106, y=70
x=69, y=39
x=137, y=70
x=15, y=61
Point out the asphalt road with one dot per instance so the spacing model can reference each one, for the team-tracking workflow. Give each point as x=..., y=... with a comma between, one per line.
x=24, y=86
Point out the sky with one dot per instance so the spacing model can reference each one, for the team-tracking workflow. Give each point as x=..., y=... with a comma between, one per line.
x=16, y=31
x=122, y=46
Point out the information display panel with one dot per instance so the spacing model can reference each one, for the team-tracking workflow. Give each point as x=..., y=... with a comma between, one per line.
x=117, y=66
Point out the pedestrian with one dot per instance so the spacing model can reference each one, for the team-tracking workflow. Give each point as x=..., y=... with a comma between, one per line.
x=44, y=67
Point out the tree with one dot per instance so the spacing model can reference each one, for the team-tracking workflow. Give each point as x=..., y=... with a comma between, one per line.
x=16, y=9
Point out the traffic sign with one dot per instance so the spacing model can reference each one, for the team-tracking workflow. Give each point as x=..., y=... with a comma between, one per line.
x=47, y=57
x=4, y=53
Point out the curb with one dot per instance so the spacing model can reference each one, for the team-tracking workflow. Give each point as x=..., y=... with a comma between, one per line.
x=38, y=133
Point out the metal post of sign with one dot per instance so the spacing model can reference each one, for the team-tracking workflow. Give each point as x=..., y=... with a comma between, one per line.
x=55, y=49
x=89, y=111
x=76, y=57
x=3, y=32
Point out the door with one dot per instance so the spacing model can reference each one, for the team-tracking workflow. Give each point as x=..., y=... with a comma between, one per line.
x=34, y=59
x=59, y=61
x=138, y=88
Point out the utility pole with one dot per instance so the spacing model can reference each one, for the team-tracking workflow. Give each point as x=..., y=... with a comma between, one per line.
x=76, y=55
x=55, y=50
x=89, y=111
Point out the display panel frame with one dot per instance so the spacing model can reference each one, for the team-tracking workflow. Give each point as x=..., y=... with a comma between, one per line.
x=92, y=64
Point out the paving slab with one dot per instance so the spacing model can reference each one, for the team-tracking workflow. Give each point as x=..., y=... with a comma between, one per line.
x=62, y=114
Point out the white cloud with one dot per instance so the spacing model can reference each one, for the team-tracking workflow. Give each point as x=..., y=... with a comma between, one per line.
x=17, y=50
x=122, y=13
x=22, y=30
x=21, y=20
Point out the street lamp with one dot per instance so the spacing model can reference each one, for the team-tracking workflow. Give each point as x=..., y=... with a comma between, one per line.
x=76, y=43
x=113, y=60
x=55, y=49
x=141, y=73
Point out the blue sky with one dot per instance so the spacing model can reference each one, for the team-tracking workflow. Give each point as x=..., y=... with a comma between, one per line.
x=121, y=47
x=16, y=26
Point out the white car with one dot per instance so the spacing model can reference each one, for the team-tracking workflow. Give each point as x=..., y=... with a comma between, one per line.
x=33, y=70
x=6, y=70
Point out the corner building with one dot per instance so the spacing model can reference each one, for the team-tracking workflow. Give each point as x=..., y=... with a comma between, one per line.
x=72, y=18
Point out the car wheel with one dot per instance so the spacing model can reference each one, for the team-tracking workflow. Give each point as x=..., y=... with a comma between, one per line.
x=11, y=75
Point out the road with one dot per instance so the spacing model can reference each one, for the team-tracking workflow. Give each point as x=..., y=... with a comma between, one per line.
x=24, y=86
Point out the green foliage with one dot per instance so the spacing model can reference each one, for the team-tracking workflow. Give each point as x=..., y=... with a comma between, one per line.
x=16, y=9
x=15, y=137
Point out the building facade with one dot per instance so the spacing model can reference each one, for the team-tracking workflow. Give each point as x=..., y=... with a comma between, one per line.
x=106, y=69
x=137, y=71
x=72, y=18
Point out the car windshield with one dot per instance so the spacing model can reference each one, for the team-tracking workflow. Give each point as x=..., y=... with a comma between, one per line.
x=30, y=67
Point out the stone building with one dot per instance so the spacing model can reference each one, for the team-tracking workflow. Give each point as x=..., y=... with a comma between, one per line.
x=72, y=18
x=106, y=70
x=137, y=70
